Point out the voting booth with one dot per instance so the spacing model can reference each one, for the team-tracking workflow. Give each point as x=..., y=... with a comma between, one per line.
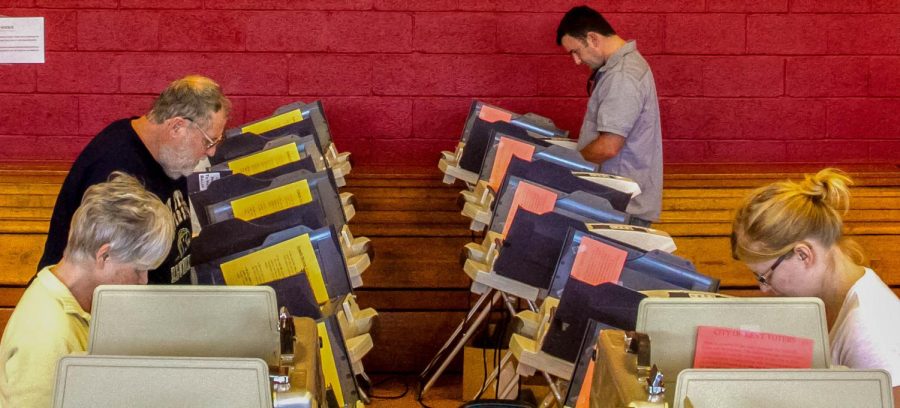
x=596, y=281
x=517, y=263
x=616, y=376
x=710, y=334
x=169, y=332
x=465, y=162
x=529, y=250
x=271, y=219
x=542, y=179
x=294, y=198
x=502, y=149
x=151, y=382
x=306, y=124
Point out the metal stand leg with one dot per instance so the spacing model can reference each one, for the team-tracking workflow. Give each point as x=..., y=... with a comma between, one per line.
x=459, y=345
x=363, y=396
x=553, y=388
x=508, y=301
x=494, y=375
x=478, y=305
x=508, y=388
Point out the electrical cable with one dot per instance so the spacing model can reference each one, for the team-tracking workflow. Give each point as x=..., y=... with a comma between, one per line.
x=389, y=397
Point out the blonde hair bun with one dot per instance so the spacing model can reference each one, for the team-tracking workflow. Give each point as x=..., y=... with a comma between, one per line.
x=773, y=218
x=829, y=186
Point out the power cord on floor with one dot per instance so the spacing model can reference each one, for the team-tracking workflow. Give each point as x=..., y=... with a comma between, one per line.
x=501, y=335
x=389, y=397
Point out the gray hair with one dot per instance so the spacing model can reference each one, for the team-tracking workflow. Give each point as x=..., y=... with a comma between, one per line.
x=138, y=227
x=193, y=97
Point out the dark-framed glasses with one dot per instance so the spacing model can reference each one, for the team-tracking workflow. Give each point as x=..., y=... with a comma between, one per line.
x=766, y=276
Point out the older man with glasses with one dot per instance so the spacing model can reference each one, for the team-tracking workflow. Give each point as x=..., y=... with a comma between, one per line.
x=160, y=149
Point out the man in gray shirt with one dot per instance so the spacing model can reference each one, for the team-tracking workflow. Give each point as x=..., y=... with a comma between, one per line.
x=621, y=128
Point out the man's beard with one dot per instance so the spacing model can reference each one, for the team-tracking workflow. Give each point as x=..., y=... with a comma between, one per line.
x=177, y=161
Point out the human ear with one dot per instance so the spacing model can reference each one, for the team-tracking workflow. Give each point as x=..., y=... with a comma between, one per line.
x=174, y=124
x=101, y=256
x=593, y=39
x=806, y=254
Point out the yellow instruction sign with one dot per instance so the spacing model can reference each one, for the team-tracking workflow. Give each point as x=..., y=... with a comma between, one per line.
x=329, y=367
x=265, y=160
x=274, y=122
x=279, y=261
x=271, y=201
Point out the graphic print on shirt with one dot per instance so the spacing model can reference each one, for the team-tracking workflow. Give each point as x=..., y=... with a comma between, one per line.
x=180, y=211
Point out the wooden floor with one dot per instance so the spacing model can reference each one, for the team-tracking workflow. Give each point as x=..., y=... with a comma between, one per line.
x=402, y=391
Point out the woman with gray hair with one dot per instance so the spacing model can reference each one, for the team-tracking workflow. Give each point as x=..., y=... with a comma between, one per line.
x=119, y=232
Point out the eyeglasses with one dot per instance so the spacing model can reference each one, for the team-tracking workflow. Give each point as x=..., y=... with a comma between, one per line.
x=210, y=142
x=767, y=275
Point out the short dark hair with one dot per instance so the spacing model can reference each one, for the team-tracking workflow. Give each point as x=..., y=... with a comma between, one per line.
x=581, y=20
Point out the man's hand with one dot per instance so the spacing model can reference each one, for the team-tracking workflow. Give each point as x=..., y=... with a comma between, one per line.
x=605, y=147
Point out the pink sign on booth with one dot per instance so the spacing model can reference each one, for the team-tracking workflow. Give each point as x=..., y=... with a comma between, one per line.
x=723, y=347
x=532, y=198
x=597, y=262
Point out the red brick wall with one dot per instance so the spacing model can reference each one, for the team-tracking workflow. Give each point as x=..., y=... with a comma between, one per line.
x=739, y=80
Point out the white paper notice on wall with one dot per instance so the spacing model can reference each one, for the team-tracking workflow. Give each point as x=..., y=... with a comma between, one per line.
x=21, y=40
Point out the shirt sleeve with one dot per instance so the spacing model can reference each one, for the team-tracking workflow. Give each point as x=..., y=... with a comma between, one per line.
x=873, y=347
x=31, y=370
x=621, y=104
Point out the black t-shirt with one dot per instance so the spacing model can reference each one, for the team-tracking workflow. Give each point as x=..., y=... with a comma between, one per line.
x=118, y=147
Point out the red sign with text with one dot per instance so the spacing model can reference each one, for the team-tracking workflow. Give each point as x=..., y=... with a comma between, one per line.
x=723, y=347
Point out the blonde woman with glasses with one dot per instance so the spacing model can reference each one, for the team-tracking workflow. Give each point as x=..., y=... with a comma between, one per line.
x=790, y=235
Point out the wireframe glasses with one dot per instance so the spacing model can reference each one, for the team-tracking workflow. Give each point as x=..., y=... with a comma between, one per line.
x=767, y=275
x=210, y=142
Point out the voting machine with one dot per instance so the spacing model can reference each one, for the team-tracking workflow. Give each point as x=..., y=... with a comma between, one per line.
x=508, y=143
x=269, y=165
x=151, y=382
x=522, y=265
x=209, y=325
x=620, y=373
x=296, y=145
x=535, y=242
x=543, y=177
x=220, y=197
x=292, y=199
x=587, y=261
x=316, y=113
x=188, y=321
x=264, y=254
x=465, y=162
x=596, y=279
x=676, y=326
x=304, y=266
x=305, y=121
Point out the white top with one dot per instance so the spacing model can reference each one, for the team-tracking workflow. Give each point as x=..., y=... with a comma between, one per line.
x=866, y=333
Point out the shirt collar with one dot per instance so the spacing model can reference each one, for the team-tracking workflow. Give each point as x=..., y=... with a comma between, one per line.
x=629, y=47
x=62, y=293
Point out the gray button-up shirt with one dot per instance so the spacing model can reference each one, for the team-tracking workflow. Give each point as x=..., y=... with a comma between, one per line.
x=624, y=102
